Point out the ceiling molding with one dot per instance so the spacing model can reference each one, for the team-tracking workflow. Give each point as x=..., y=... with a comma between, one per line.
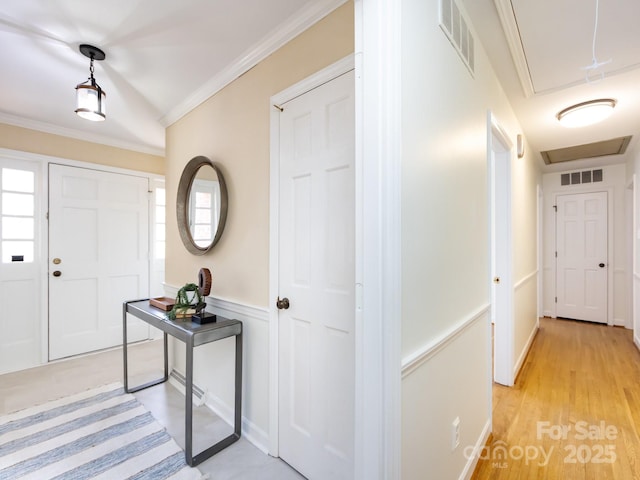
x=290, y=29
x=512, y=35
x=44, y=127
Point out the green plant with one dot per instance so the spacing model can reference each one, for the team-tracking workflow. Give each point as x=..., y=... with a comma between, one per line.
x=183, y=304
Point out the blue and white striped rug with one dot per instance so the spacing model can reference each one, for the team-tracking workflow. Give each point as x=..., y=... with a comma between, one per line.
x=98, y=434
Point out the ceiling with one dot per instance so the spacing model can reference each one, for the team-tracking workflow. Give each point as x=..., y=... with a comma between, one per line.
x=539, y=50
x=163, y=58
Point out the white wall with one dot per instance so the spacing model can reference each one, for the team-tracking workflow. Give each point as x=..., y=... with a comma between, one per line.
x=614, y=182
x=445, y=245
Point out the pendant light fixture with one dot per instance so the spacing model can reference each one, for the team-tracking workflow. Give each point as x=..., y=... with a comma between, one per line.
x=90, y=98
x=586, y=113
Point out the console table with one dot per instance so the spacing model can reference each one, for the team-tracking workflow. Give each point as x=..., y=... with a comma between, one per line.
x=193, y=335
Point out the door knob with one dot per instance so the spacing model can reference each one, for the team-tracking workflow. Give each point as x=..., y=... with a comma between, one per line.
x=57, y=273
x=282, y=304
x=601, y=265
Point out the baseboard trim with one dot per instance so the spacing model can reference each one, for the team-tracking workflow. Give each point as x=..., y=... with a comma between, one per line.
x=472, y=460
x=411, y=363
x=250, y=431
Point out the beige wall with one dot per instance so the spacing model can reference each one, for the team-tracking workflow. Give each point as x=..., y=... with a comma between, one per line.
x=232, y=128
x=32, y=141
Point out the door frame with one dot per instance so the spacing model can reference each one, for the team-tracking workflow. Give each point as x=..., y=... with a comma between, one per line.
x=610, y=237
x=500, y=154
x=630, y=215
x=43, y=251
x=323, y=76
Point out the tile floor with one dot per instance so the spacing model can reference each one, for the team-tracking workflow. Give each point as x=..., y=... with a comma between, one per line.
x=240, y=461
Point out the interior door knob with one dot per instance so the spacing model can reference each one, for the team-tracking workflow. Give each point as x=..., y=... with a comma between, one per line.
x=601, y=265
x=282, y=304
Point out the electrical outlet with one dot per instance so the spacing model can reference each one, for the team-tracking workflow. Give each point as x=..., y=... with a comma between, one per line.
x=455, y=433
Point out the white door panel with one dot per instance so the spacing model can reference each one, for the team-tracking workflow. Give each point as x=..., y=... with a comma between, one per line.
x=317, y=274
x=582, y=256
x=98, y=229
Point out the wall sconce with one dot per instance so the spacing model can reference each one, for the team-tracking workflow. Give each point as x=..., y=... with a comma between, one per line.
x=520, y=146
x=90, y=98
x=586, y=113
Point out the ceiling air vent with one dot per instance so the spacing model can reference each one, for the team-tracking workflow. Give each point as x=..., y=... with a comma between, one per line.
x=454, y=25
x=614, y=146
x=576, y=178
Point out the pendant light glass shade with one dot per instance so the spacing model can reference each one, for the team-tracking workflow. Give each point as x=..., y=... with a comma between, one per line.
x=90, y=101
x=90, y=98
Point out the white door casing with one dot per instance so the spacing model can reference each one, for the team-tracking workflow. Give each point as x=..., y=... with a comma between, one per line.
x=317, y=274
x=582, y=256
x=99, y=242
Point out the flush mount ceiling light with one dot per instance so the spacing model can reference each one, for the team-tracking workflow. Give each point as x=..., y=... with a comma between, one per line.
x=90, y=98
x=586, y=113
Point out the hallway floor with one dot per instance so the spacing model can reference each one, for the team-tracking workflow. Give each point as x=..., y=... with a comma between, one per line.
x=38, y=385
x=574, y=412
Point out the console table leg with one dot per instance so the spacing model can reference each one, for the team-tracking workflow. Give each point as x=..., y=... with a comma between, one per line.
x=238, y=402
x=124, y=347
x=188, y=441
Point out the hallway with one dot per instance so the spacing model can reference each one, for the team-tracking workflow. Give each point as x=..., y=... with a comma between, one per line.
x=574, y=412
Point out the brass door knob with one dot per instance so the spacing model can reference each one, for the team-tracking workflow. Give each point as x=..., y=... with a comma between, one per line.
x=282, y=304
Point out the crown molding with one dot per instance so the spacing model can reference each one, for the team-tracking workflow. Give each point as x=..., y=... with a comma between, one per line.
x=291, y=28
x=45, y=127
x=512, y=34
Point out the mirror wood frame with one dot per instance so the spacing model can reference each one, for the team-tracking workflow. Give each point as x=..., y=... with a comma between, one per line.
x=182, y=204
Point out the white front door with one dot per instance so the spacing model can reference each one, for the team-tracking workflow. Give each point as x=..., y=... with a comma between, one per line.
x=98, y=257
x=317, y=275
x=582, y=256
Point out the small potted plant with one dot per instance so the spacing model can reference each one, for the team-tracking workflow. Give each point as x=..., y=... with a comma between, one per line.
x=188, y=301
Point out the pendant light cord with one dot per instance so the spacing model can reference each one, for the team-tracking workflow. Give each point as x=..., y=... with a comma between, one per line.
x=594, y=61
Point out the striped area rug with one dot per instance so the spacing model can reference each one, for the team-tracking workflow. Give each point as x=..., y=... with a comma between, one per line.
x=98, y=434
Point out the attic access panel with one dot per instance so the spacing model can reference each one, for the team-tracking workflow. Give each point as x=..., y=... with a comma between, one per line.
x=614, y=146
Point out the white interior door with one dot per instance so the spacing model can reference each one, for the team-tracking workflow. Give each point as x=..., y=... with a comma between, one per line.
x=581, y=244
x=99, y=247
x=502, y=290
x=317, y=275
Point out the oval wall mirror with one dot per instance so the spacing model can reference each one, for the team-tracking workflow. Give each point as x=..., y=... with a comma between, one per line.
x=201, y=205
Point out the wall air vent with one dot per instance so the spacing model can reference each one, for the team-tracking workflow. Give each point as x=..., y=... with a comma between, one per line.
x=455, y=27
x=614, y=146
x=576, y=178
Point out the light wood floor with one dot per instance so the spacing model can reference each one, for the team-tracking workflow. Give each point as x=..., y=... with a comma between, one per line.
x=574, y=412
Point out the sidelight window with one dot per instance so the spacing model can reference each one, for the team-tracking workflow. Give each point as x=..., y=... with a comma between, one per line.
x=17, y=207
